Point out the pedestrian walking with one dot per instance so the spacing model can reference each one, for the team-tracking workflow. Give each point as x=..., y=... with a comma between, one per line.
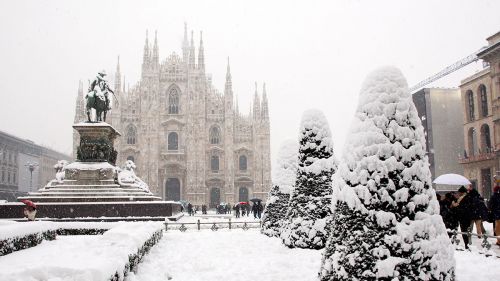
x=479, y=211
x=495, y=211
x=190, y=209
x=462, y=206
x=237, y=211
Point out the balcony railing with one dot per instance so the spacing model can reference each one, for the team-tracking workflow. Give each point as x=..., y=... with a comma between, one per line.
x=478, y=157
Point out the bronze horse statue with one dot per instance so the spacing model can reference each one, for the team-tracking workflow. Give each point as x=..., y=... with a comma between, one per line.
x=98, y=97
x=97, y=101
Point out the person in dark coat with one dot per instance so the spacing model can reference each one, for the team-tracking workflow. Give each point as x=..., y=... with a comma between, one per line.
x=190, y=209
x=462, y=206
x=446, y=212
x=237, y=211
x=479, y=212
x=495, y=211
x=259, y=209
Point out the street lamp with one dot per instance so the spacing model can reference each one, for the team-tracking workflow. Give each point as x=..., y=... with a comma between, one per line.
x=31, y=168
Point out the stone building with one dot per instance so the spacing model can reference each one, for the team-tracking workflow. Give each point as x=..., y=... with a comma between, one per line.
x=190, y=141
x=440, y=110
x=16, y=157
x=481, y=107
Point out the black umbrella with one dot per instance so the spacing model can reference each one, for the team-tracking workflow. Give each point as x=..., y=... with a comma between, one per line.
x=255, y=200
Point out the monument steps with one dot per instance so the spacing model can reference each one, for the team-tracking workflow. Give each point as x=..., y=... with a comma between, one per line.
x=126, y=198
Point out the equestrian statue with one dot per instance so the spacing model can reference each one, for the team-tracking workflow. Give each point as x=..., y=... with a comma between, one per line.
x=98, y=97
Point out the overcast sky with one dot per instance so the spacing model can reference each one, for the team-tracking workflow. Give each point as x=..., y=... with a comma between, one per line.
x=311, y=54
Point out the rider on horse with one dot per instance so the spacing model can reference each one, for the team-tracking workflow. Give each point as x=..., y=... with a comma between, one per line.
x=98, y=97
x=100, y=81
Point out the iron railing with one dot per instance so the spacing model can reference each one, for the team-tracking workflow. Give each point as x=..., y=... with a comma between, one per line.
x=214, y=226
x=485, y=244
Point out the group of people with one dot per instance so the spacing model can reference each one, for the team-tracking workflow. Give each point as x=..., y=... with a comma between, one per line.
x=467, y=208
x=245, y=209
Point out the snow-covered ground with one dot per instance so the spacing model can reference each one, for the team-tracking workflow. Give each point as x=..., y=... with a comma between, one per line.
x=190, y=256
x=226, y=255
x=248, y=255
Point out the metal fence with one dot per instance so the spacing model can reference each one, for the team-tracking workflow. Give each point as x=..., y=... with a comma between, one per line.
x=214, y=226
x=485, y=244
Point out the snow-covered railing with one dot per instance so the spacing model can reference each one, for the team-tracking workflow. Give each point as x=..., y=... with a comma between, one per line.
x=214, y=226
x=485, y=244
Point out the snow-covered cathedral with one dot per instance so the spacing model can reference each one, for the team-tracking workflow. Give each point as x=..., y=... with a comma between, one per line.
x=189, y=141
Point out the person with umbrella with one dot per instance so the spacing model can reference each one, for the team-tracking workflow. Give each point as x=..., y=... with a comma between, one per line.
x=462, y=207
x=30, y=210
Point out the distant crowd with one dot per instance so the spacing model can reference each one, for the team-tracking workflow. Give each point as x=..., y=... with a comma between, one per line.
x=466, y=208
x=240, y=209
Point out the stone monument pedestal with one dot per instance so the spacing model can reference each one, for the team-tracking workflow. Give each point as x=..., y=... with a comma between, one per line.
x=93, y=187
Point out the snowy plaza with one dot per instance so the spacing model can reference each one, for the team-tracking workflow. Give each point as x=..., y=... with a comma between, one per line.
x=250, y=140
x=190, y=256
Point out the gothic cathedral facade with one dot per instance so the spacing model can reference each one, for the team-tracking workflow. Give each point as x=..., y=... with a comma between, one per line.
x=188, y=140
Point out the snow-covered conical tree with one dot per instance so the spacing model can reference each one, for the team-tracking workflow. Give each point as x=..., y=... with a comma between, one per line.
x=284, y=174
x=309, y=209
x=386, y=223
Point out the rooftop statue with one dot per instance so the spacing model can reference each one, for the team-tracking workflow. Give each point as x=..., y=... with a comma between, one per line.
x=98, y=97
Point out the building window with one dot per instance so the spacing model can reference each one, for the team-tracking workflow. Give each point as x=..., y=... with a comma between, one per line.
x=173, y=141
x=485, y=139
x=131, y=158
x=14, y=178
x=214, y=163
x=214, y=135
x=472, y=139
x=131, y=135
x=173, y=101
x=243, y=163
x=3, y=176
x=484, y=100
x=470, y=104
x=8, y=177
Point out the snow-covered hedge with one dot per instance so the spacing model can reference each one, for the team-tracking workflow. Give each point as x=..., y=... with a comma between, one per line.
x=18, y=236
x=386, y=222
x=92, y=257
x=309, y=213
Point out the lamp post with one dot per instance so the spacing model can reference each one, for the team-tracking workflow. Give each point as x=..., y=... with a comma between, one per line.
x=31, y=168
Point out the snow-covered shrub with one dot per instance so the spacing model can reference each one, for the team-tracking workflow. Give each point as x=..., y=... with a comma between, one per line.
x=127, y=177
x=284, y=173
x=386, y=223
x=60, y=167
x=309, y=208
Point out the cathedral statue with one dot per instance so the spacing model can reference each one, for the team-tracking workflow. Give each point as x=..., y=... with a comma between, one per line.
x=98, y=97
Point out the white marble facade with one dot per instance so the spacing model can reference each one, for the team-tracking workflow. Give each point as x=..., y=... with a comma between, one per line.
x=189, y=140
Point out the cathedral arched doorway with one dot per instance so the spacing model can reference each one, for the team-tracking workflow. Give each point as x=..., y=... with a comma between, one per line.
x=243, y=194
x=173, y=189
x=214, y=197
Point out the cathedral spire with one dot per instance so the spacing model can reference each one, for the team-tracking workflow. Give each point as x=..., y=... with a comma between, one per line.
x=185, y=45
x=79, y=103
x=145, y=59
x=146, y=56
x=118, y=76
x=156, y=55
x=229, y=83
x=256, y=104
x=192, y=58
x=265, y=107
x=201, y=55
